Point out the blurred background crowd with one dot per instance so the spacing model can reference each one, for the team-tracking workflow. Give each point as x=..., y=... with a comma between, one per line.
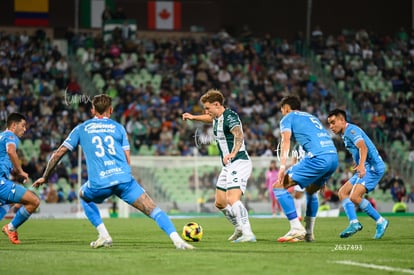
x=154, y=81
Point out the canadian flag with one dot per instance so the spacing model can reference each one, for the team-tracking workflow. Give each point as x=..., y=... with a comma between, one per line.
x=164, y=15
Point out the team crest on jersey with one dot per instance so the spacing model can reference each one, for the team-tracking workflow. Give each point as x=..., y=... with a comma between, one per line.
x=233, y=173
x=353, y=132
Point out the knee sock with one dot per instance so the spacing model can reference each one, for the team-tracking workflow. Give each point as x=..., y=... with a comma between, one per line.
x=349, y=209
x=298, y=206
x=21, y=216
x=286, y=201
x=312, y=204
x=228, y=213
x=3, y=210
x=164, y=222
x=94, y=216
x=309, y=224
x=366, y=206
x=242, y=216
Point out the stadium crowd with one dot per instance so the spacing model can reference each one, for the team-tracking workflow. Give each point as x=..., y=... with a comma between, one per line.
x=154, y=81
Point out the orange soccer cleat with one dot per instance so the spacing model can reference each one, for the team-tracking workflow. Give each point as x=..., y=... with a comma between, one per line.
x=12, y=235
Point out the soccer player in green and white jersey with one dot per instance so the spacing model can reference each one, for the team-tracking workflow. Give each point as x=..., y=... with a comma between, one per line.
x=237, y=166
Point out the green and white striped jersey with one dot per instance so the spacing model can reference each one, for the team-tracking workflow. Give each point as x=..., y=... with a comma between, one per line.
x=224, y=138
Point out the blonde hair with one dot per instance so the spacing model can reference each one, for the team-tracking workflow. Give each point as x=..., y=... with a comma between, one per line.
x=211, y=96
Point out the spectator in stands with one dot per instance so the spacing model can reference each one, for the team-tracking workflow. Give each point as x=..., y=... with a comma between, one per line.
x=72, y=194
x=410, y=196
x=106, y=14
x=61, y=195
x=119, y=14
x=52, y=194
x=397, y=190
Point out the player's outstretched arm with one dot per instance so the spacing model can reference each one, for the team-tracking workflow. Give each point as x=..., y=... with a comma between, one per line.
x=51, y=164
x=203, y=118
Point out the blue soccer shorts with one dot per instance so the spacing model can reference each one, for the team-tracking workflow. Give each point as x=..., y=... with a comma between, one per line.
x=315, y=170
x=127, y=191
x=10, y=192
x=370, y=180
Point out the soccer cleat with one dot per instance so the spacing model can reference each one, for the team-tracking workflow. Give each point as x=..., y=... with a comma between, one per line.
x=245, y=239
x=381, y=227
x=102, y=242
x=309, y=237
x=351, y=230
x=237, y=234
x=182, y=245
x=293, y=236
x=12, y=235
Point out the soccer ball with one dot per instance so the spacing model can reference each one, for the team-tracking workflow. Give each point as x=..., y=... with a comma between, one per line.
x=192, y=232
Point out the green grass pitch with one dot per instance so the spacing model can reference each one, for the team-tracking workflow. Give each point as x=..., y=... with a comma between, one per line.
x=140, y=247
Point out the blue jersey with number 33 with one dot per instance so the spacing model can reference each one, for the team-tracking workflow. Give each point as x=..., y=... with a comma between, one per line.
x=103, y=142
x=309, y=132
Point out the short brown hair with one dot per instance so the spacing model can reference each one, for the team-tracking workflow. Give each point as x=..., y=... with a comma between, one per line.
x=211, y=96
x=101, y=103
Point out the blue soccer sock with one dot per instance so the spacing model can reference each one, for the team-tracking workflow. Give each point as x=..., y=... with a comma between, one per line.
x=3, y=210
x=349, y=209
x=312, y=204
x=367, y=207
x=92, y=212
x=286, y=201
x=21, y=216
x=162, y=220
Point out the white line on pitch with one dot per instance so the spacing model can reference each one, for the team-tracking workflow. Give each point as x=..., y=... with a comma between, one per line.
x=380, y=267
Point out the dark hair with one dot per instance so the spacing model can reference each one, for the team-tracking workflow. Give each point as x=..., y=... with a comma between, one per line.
x=337, y=112
x=101, y=103
x=292, y=101
x=14, y=118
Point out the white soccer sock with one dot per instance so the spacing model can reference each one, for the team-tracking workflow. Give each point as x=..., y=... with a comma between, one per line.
x=295, y=224
x=242, y=217
x=298, y=206
x=11, y=227
x=228, y=213
x=175, y=237
x=309, y=224
x=380, y=220
x=102, y=231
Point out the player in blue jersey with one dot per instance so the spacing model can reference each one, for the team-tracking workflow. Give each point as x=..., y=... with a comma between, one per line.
x=10, y=166
x=237, y=165
x=107, y=153
x=369, y=168
x=311, y=173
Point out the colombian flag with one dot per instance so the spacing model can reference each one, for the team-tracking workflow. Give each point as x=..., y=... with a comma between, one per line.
x=31, y=13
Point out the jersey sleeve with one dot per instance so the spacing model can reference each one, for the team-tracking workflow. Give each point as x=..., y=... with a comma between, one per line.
x=125, y=143
x=12, y=139
x=286, y=124
x=355, y=135
x=72, y=141
x=233, y=120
